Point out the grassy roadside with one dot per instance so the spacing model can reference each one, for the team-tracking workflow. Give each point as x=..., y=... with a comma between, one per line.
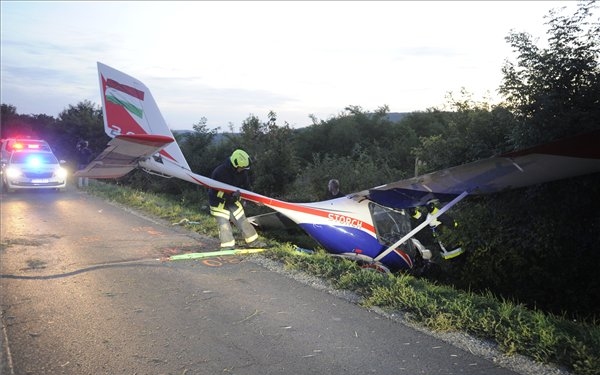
x=516, y=329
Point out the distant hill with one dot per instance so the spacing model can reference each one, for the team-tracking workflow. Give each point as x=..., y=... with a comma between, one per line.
x=184, y=132
x=392, y=116
x=396, y=116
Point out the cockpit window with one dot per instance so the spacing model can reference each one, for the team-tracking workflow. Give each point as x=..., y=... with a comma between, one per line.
x=390, y=225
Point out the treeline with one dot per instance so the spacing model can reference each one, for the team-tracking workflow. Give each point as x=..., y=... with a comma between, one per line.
x=537, y=245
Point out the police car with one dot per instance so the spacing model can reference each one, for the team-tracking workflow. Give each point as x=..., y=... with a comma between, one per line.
x=33, y=169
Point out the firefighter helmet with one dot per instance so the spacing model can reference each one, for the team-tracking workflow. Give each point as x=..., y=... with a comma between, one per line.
x=240, y=159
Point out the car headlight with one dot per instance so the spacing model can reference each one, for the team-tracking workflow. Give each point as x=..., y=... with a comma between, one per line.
x=12, y=172
x=60, y=173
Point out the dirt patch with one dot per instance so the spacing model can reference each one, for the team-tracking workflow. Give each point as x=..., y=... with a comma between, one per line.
x=39, y=240
x=34, y=264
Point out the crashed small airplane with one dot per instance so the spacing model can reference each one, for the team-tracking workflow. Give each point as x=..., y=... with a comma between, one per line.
x=370, y=226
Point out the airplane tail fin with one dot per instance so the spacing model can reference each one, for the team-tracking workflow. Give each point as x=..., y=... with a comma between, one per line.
x=129, y=109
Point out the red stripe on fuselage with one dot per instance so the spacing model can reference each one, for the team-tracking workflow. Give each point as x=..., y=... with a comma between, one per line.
x=296, y=207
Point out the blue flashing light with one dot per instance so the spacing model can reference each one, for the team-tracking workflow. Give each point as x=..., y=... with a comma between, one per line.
x=34, y=161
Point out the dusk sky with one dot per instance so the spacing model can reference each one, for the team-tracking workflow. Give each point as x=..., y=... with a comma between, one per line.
x=227, y=60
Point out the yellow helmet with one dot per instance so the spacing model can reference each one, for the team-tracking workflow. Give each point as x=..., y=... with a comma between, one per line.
x=240, y=159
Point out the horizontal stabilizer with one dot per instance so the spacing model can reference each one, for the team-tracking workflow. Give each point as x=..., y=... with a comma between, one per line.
x=123, y=154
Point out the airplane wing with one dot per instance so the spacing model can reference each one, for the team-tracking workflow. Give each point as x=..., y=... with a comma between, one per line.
x=564, y=158
x=123, y=154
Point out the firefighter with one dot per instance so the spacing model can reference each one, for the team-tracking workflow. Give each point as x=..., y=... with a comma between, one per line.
x=439, y=224
x=227, y=207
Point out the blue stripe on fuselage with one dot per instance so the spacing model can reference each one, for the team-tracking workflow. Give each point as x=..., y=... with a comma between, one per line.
x=342, y=239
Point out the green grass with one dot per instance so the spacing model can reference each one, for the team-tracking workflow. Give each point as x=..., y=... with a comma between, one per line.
x=517, y=330
x=161, y=206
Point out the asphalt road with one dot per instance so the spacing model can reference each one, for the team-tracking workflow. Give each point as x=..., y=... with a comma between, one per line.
x=85, y=289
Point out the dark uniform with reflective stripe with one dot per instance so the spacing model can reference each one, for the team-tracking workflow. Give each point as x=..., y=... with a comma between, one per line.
x=444, y=221
x=225, y=207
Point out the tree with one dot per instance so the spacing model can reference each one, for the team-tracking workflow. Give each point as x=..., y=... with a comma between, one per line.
x=7, y=115
x=197, y=147
x=526, y=242
x=357, y=171
x=82, y=121
x=555, y=91
x=274, y=161
x=15, y=125
x=472, y=131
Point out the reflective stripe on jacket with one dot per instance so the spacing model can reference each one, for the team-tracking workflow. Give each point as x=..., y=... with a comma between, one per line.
x=224, y=210
x=227, y=174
